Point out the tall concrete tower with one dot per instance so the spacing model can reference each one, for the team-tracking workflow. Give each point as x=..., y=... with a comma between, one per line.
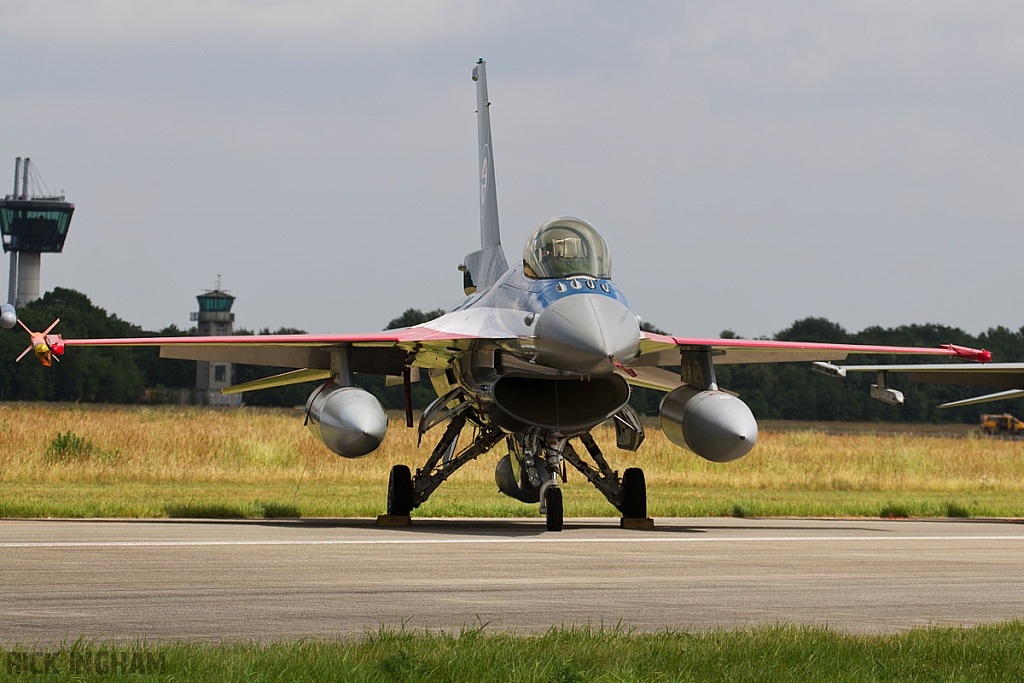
x=30, y=224
x=215, y=318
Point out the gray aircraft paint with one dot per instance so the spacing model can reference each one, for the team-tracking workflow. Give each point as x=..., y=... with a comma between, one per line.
x=489, y=235
x=488, y=264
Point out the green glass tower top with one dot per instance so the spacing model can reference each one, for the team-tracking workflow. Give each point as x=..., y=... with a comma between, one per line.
x=39, y=225
x=215, y=301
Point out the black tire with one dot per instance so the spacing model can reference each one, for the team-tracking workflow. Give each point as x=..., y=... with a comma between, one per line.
x=553, y=500
x=634, y=494
x=400, y=491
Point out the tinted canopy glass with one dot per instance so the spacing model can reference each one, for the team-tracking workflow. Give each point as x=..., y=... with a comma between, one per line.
x=564, y=247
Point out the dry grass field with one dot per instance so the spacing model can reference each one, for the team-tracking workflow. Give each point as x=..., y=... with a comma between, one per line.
x=109, y=461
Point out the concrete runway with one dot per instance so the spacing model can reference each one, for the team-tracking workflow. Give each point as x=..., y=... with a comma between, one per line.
x=268, y=580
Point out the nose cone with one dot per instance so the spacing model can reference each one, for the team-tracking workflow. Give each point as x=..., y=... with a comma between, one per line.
x=587, y=333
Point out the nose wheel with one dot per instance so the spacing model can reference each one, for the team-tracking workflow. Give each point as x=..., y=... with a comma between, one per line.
x=553, y=508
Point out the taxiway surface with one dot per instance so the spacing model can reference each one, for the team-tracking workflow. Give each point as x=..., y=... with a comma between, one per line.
x=268, y=580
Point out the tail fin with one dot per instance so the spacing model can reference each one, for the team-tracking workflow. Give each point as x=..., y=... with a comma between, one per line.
x=489, y=235
x=484, y=267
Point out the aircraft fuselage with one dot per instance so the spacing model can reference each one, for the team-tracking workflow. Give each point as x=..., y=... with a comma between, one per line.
x=554, y=368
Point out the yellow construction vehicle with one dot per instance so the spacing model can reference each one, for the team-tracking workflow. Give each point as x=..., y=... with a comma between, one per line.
x=1001, y=424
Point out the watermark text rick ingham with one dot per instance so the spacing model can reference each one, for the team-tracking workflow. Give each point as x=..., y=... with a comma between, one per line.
x=99, y=661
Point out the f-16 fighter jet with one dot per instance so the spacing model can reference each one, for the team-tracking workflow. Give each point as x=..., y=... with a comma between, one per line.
x=535, y=357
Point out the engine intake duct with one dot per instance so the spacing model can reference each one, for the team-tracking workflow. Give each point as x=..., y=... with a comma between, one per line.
x=563, y=403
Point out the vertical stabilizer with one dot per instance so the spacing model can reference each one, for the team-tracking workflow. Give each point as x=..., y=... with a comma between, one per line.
x=489, y=235
x=484, y=267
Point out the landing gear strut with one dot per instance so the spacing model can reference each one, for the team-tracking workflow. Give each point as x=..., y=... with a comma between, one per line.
x=443, y=462
x=628, y=495
x=553, y=448
x=407, y=492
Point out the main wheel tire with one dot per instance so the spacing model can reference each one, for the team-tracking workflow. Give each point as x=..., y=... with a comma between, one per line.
x=634, y=494
x=400, y=491
x=553, y=501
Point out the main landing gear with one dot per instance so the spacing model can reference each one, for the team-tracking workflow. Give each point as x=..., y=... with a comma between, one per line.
x=407, y=492
x=544, y=463
x=400, y=492
x=628, y=494
x=634, y=494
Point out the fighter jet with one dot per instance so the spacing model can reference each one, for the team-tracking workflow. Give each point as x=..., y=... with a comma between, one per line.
x=1008, y=377
x=534, y=357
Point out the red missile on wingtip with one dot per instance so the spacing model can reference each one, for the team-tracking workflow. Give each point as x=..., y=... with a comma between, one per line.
x=46, y=346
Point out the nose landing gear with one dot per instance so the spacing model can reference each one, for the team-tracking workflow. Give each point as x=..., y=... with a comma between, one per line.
x=553, y=508
x=550, y=494
x=628, y=493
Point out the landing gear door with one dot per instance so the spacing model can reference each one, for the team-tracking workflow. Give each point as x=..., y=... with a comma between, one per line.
x=629, y=431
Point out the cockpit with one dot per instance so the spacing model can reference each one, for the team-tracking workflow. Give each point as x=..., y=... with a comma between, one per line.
x=564, y=247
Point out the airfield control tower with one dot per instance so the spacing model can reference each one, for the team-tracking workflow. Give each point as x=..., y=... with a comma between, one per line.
x=31, y=224
x=215, y=318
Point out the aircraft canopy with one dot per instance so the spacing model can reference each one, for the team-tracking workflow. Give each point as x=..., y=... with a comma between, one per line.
x=564, y=247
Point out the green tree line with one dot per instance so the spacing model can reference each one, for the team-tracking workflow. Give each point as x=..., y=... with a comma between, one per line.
x=773, y=391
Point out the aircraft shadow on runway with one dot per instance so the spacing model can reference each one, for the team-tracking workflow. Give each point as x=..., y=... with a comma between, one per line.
x=527, y=527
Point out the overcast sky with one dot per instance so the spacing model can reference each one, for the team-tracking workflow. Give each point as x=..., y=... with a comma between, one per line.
x=749, y=164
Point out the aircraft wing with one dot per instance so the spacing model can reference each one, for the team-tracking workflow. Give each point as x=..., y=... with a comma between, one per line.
x=990, y=375
x=664, y=350
x=426, y=346
x=386, y=353
x=998, y=396
x=1008, y=378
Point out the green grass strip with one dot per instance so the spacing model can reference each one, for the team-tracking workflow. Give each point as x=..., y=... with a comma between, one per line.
x=237, y=500
x=782, y=653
